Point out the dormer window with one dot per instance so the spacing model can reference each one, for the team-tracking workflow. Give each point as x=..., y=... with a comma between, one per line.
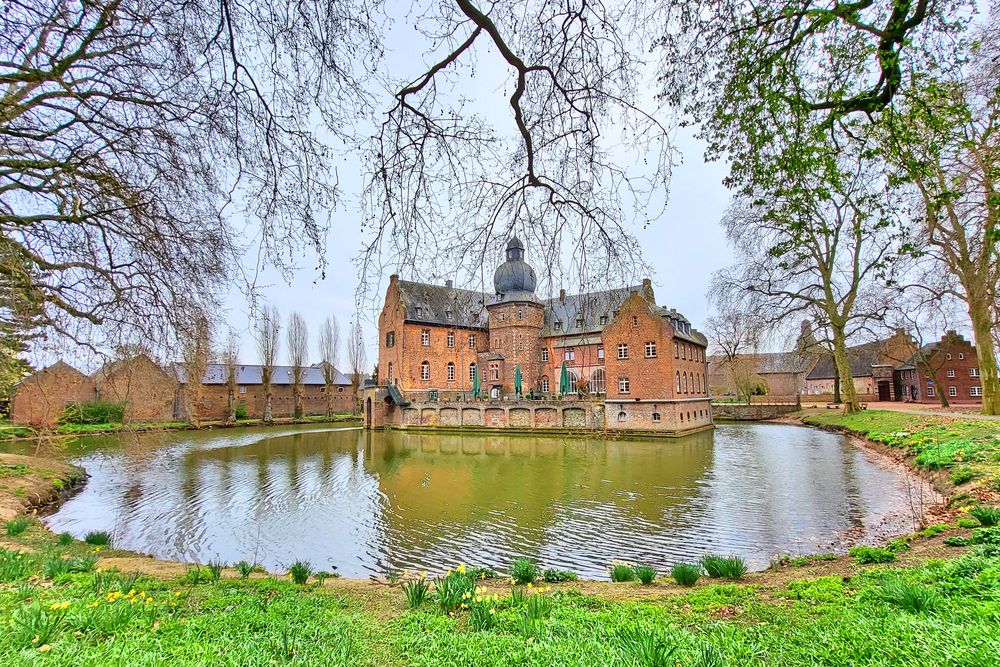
x=447, y=314
x=419, y=311
x=579, y=322
x=604, y=319
x=558, y=326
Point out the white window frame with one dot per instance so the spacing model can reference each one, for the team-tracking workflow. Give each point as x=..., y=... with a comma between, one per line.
x=451, y=371
x=451, y=339
x=472, y=371
x=623, y=350
x=425, y=370
x=950, y=372
x=243, y=389
x=953, y=391
x=624, y=386
x=472, y=341
x=545, y=354
x=600, y=352
x=973, y=372
x=961, y=355
x=650, y=349
x=545, y=385
x=569, y=354
x=975, y=391
x=425, y=337
x=930, y=391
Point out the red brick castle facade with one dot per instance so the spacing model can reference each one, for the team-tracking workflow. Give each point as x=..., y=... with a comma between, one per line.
x=451, y=357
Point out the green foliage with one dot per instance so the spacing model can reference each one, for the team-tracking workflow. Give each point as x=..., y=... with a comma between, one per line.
x=898, y=545
x=241, y=411
x=724, y=567
x=245, y=569
x=415, y=591
x=454, y=589
x=55, y=565
x=93, y=412
x=553, y=576
x=911, y=597
x=686, y=574
x=15, y=565
x=35, y=626
x=936, y=529
x=482, y=573
x=802, y=561
x=869, y=555
x=483, y=612
x=647, y=648
x=215, y=569
x=100, y=538
x=300, y=571
x=323, y=575
x=17, y=525
x=523, y=571
x=621, y=572
x=538, y=606
x=966, y=522
x=645, y=574
x=957, y=541
x=962, y=474
x=990, y=535
x=196, y=575
x=986, y=515
x=819, y=590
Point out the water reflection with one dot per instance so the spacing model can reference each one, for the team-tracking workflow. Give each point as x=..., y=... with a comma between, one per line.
x=366, y=502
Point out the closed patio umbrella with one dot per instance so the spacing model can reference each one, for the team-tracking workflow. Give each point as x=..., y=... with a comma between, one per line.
x=475, y=384
x=564, y=380
x=517, y=380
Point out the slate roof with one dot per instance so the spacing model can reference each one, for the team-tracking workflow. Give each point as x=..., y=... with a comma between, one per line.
x=253, y=374
x=432, y=304
x=771, y=362
x=862, y=358
x=590, y=306
x=112, y=366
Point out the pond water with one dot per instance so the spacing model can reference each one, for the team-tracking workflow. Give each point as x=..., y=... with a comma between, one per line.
x=371, y=502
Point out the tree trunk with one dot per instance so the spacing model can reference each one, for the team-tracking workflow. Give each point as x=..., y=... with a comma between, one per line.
x=836, y=384
x=268, y=416
x=329, y=398
x=942, y=395
x=297, y=399
x=843, y=368
x=231, y=406
x=989, y=378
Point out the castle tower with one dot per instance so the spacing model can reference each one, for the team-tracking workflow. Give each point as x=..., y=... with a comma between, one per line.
x=516, y=318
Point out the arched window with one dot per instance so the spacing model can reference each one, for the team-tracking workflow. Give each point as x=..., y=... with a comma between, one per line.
x=472, y=372
x=425, y=371
x=597, y=381
x=698, y=382
x=389, y=374
x=704, y=385
x=685, y=382
x=678, y=382
x=622, y=416
x=451, y=371
x=573, y=379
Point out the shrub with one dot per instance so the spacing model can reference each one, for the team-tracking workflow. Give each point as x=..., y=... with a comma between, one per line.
x=482, y=573
x=899, y=545
x=523, y=571
x=985, y=535
x=966, y=522
x=556, y=576
x=415, y=591
x=724, y=567
x=646, y=648
x=300, y=571
x=986, y=550
x=241, y=411
x=64, y=539
x=622, y=572
x=93, y=412
x=100, y=538
x=453, y=589
x=957, y=541
x=962, y=474
x=869, y=555
x=17, y=525
x=645, y=574
x=987, y=515
x=686, y=574
x=914, y=598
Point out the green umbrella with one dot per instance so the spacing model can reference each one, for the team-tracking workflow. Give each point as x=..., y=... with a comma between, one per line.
x=564, y=380
x=475, y=383
x=517, y=380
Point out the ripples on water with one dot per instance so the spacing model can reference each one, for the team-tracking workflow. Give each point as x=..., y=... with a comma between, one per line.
x=369, y=502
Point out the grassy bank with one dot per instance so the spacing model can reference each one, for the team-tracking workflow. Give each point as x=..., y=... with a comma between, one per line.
x=967, y=451
x=10, y=431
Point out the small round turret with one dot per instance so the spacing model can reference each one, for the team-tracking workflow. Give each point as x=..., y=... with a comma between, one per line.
x=514, y=279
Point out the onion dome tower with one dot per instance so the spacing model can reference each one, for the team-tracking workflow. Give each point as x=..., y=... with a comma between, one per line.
x=515, y=320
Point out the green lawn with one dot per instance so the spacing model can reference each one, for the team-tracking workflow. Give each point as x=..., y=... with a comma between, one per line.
x=969, y=448
x=939, y=613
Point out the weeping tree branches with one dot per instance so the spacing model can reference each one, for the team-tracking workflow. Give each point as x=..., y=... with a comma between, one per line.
x=128, y=128
x=547, y=161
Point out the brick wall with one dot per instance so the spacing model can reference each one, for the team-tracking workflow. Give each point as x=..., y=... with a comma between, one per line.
x=514, y=332
x=213, y=403
x=963, y=362
x=40, y=399
x=145, y=389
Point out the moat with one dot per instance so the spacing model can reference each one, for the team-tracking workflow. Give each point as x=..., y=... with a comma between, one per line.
x=370, y=502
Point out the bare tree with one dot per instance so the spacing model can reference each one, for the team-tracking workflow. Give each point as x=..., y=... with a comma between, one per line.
x=128, y=128
x=298, y=352
x=329, y=352
x=824, y=245
x=196, y=347
x=231, y=359
x=736, y=330
x=268, y=343
x=356, y=359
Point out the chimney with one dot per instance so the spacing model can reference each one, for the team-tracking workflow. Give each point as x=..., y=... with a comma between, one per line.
x=647, y=290
x=562, y=295
x=449, y=283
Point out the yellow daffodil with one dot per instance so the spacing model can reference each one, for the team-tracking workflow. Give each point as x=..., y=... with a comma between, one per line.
x=461, y=568
x=177, y=594
x=95, y=604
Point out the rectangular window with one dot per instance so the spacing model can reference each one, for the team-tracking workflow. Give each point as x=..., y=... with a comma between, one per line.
x=951, y=372
x=243, y=390
x=472, y=372
x=425, y=371
x=558, y=326
x=420, y=311
x=545, y=354
x=425, y=337
x=600, y=353
x=622, y=351
x=973, y=372
x=390, y=338
x=604, y=319
x=635, y=321
x=569, y=355
x=975, y=391
x=451, y=339
x=676, y=350
x=650, y=349
x=472, y=341
x=579, y=322
x=520, y=313
x=684, y=351
x=623, y=385
x=952, y=391
x=494, y=372
x=451, y=372
x=930, y=391
x=545, y=385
